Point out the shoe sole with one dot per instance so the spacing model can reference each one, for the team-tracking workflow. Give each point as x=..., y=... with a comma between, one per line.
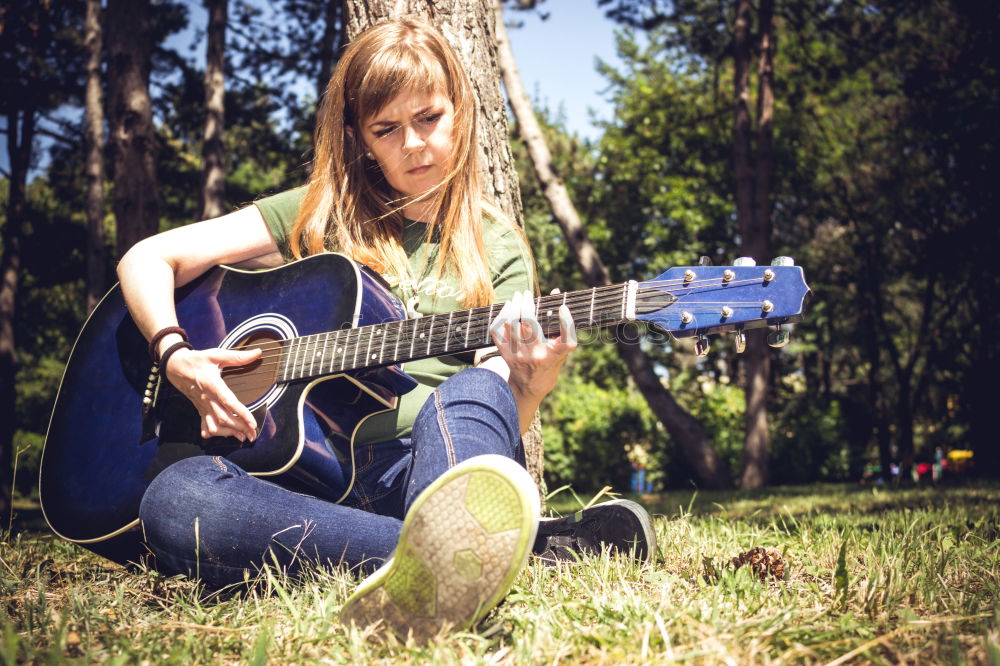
x=463, y=542
x=641, y=515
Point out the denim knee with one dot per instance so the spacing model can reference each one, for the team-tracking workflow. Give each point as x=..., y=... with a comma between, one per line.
x=475, y=403
x=184, y=490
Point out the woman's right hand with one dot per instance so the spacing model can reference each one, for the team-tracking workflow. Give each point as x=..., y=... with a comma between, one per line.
x=198, y=375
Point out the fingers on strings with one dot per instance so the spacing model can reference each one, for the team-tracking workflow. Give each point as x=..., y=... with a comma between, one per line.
x=517, y=322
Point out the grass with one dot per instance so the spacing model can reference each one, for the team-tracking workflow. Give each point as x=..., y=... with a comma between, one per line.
x=873, y=576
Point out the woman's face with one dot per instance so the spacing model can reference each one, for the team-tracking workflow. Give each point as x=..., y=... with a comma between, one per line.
x=411, y=139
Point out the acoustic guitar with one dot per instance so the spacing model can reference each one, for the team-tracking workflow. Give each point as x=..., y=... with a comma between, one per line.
x=333, y=338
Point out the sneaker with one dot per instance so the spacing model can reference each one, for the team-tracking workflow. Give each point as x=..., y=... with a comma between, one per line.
x=463, y=542
x=619, y=526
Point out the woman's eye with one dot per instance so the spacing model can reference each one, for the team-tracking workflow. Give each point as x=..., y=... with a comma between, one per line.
x=384, y=132
x=432, y=118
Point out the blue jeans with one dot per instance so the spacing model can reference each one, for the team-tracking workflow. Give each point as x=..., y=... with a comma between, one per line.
x=206, y=517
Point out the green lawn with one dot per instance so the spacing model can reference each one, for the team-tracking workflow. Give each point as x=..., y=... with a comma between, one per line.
x=872, y=576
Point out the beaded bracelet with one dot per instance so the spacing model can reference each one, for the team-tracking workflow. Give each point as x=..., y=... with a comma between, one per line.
x=169, y=351
x=160, y=334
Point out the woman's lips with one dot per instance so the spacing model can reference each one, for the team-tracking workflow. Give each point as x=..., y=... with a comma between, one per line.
x=420, y=170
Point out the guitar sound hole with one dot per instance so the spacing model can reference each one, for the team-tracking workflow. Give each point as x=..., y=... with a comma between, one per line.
x=252, y=381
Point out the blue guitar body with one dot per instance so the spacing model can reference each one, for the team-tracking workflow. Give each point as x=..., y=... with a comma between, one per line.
x=101, y=452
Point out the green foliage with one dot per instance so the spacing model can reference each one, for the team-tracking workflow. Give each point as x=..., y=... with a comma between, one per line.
x=660, y=195
x=588, y=429
x=882, y=153
x=809, y=442
x=720, y=408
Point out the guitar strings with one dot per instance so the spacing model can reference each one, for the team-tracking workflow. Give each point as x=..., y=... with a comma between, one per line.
x=353, y=339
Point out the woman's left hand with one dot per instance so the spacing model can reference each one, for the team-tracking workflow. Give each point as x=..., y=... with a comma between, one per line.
x=534, y=361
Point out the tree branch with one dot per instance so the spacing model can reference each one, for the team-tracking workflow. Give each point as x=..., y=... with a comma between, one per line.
x=54, y=135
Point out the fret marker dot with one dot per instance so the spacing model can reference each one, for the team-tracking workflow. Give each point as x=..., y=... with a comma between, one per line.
x=374, y=356
x=422, y=335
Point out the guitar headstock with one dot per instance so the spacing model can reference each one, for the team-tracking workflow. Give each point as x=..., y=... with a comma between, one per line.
x=699, y=300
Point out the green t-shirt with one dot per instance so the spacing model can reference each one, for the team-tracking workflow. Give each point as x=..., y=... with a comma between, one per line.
x=510, y=266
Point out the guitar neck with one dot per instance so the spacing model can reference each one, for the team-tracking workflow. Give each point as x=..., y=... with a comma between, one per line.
x=442, y=334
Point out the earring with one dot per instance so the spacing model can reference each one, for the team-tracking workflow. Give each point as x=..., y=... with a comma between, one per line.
x=369, y=155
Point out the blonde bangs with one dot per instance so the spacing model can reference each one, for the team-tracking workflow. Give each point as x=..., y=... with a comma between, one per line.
x=393, y=73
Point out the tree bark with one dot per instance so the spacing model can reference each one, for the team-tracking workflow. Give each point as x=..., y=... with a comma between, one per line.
x=683, y=427
x=469, y=27
x=754, y=171
x=133, y=138
x=20, y=137
x=213, y=171
x=97, y=278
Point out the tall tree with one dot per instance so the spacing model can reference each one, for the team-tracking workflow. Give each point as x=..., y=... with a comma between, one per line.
x=133, y=139
x=94, y=146
x=213, y=170
x=683, y=427
x=753, y=164
x=330, y=43
x=470, y=28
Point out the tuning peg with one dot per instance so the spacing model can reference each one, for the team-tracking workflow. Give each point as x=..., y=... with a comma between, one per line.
x=701, y=346
x=740, y=341
x=782, y=261
x=778, y=338
x=744, y=261
x=704, y=260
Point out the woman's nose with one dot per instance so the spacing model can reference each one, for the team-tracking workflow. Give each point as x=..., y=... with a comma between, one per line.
x=412, y=140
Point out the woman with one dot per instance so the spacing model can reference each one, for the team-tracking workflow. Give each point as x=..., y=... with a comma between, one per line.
x=395, y=186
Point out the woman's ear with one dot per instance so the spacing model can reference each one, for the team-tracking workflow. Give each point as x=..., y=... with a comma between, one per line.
x=349, y=131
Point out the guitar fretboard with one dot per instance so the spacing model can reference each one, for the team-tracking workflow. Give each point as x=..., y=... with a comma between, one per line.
x=440, y=334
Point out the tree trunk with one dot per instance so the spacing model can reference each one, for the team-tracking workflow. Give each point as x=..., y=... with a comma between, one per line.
x=754, y=171
x=877, y=400
x=133, y=138
x=469, y=27
x=683, y=427
x=904, y=425
x=94, y=143
x=213, y=168
x=329, y=45
x=20, y=136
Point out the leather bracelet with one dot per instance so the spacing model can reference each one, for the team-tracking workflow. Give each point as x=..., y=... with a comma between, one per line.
x=169, y=351
x=160, y=334
x=486, y=357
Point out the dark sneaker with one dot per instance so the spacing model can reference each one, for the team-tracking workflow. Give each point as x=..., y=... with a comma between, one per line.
x=619, y=526
x=463, y=542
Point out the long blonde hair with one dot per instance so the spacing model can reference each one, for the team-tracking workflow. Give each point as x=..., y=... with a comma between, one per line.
x=350, y=207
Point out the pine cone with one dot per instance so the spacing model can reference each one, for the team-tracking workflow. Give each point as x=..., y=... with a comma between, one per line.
x=763, y=562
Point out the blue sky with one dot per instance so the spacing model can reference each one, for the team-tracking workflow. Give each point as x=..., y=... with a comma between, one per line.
x=557, y=59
